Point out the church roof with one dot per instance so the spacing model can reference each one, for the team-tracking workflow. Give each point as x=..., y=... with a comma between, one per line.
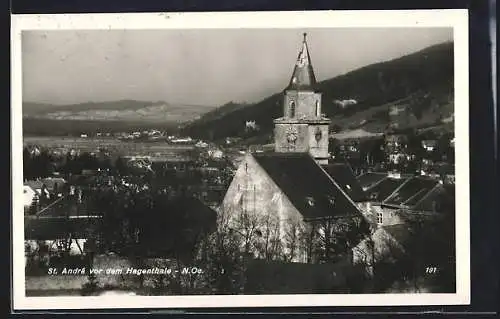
x=345, y=178
x=303, y=77
x=308, y=187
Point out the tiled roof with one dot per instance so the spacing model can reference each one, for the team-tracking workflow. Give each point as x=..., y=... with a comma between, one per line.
x=411, y=192
x=367, y=180
x=380, y=191
x=309, y=188
x=344, y=176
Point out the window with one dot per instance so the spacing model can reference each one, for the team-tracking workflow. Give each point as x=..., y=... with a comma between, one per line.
x=292, y=108
x=331, y=199
x=317, y=109
x=310, y=201
x=379, y=218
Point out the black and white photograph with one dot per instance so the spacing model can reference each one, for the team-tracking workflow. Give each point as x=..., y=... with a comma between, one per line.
x=240, y=159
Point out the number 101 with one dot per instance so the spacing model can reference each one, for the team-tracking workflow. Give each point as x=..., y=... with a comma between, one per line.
x=431, y=270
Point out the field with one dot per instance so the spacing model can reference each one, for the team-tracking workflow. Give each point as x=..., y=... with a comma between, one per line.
x=110, y=144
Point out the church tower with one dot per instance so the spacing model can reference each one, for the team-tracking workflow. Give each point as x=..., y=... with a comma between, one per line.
x=302, y=128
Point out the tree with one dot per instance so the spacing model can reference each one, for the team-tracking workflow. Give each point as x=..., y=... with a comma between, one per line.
x=220, y=254
x=294, y=240
x=334, y=238
x=268, y=238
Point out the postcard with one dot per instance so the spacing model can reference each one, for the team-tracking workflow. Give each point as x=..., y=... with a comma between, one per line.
x=240, y=159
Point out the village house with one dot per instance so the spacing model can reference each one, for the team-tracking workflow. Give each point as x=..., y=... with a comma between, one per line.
x=55, y=185
x=395, y=142
x=30, y=196
x=33, y=191
x=429, y=145
x=395, y=200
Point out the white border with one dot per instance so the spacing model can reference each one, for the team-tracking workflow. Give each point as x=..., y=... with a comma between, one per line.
x=458, y=19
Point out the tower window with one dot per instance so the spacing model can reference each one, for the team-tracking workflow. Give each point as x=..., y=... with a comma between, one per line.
x=292, y=108
x=379, y=218
x=318, y=111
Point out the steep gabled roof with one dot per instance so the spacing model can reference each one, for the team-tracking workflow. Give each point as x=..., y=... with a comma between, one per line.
x=411, y=192
x=441, y=198
x=380, y=191
x=303, y=77
x=308, y=187
x=369, y=179
x=344, y=176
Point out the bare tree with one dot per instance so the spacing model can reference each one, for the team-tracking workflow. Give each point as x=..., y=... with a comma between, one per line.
x=294, y=240
x=219, y=254
x=268, y=241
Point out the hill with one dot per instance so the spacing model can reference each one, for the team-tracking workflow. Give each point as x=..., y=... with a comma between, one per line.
x=415, y=90
x=123, y=110
x=51, y=127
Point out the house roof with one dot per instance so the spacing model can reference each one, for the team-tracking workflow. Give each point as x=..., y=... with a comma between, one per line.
x=308, y=187
x=303, y=77
x=429, y=142
x=58, y=228
x=380, y=191
x=51, y=182
x=436, y=198
x=344, y=176
x=369, y=179
x=34, y=184
x=411, y=192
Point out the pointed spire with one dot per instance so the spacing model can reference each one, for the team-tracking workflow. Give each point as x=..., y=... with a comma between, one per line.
x=303, y=73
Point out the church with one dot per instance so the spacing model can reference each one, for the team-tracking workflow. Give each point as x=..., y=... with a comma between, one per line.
x=281, y=201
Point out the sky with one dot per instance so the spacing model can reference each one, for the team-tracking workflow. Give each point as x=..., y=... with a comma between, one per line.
x=195, y=66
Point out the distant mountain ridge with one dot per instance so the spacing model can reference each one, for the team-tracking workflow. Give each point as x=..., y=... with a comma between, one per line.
x=420, y=83
x=122, y=110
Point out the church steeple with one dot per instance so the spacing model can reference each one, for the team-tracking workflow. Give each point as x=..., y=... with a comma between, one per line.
x=303, y=74
x=303, y=128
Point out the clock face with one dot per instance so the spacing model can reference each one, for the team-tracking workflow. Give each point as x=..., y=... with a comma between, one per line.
x=291, y=135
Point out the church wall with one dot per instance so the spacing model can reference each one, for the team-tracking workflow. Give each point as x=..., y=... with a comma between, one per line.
x=253, y=190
